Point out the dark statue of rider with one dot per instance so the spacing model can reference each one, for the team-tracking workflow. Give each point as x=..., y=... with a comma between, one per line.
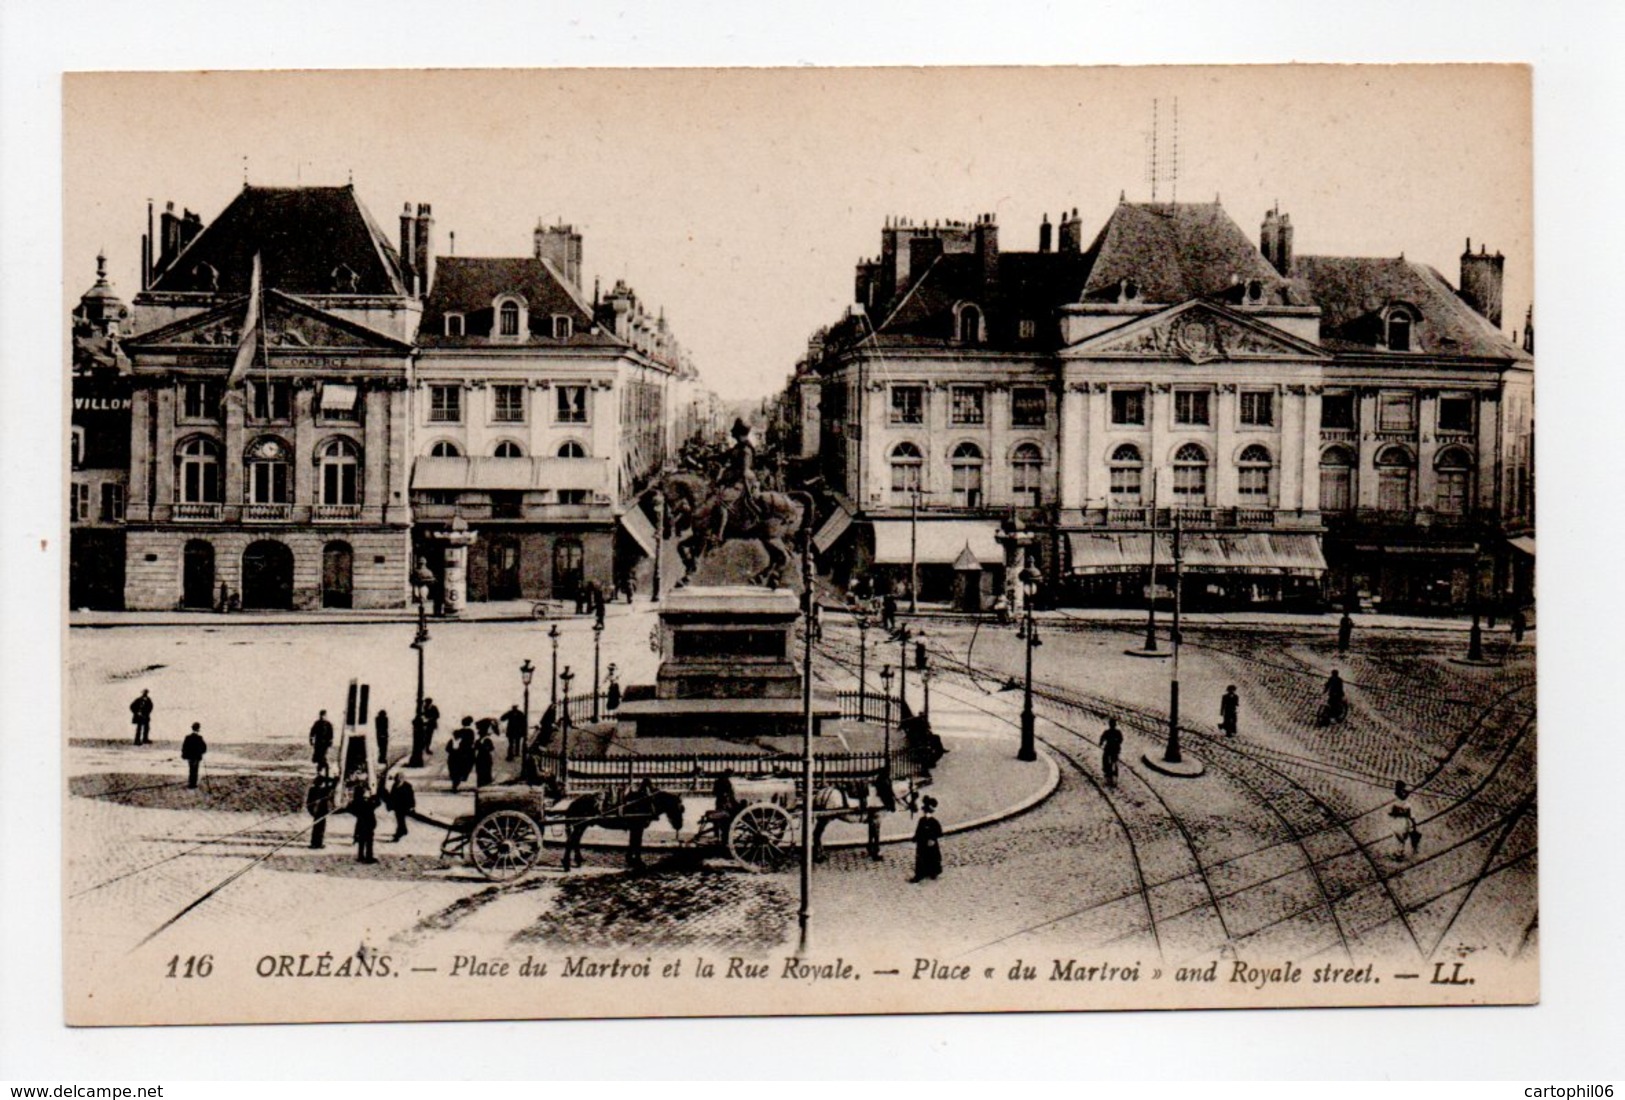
x=738, y=486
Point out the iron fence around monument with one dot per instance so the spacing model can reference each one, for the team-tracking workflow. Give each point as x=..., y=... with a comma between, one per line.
x=696, y=772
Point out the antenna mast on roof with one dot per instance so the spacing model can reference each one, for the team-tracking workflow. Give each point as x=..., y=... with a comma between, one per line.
x=1153, y=151
x=1173, y=187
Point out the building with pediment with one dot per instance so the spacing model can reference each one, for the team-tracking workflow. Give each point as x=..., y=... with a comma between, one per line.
x=99, y=447
x=1303, y=428
x=285, y=486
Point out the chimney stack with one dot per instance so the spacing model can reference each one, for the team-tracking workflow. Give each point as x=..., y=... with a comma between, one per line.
x=423, y=248
x=1071, y=232
x=1481, y=281
x=409, y=249
x=986, y=237
x=561, y=246
x=1044, y=229
x=1275, y=240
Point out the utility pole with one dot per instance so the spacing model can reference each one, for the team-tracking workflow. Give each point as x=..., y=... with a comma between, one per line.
x=1171, y=753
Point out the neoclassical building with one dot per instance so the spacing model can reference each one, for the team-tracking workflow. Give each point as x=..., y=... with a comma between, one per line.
x=1297, y=428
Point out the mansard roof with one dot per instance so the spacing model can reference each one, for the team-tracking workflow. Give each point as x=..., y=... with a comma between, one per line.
x=1026, y=286
x=472, y=285
x=1174, y=252
x=303, y=235
x=1355, y=293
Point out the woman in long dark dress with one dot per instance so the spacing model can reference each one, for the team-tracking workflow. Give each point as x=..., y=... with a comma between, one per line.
x=927, y=843
x=460, y=754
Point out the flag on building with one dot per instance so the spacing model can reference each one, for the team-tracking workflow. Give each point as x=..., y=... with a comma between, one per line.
x=248, y=344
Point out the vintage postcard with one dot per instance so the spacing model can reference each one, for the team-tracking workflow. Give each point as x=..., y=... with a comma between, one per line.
x=606, y=543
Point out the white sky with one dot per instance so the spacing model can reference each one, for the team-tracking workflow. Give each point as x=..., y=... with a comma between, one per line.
x=739, y=200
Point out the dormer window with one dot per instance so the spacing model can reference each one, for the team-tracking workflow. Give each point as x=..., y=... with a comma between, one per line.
x=970, y=325
x=1255, y=290
x=344, y=279
x=508, y=319
x=454, y=324
x=1399, y=330
x=563, y=327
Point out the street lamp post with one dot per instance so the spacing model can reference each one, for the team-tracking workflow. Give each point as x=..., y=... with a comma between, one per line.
x=527, y=672
x=885, y=722
x=1029, y=589
x=660, y=543
x=553, y=681
x=422, y=581
x=597, y=639
x=925, y=686
x=860, y=611
x=564, y=724
x=913, y=544
x=1151, y=579
x=903, y=638
x=1171, y=755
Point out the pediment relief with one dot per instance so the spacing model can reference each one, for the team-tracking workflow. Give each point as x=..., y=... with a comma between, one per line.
x=1196, y=334
x=287, y=325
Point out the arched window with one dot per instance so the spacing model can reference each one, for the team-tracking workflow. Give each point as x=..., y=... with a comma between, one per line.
x=1253, y=474
x=966, y=462
x=508, y=319
x=268, y=480
x=1190, y=474
x=1454, y=468
x=572, y=449
x=1128, y=474
x=1396, y=471
x=339, y=462
x=1399, y=330
x=509, y=449
x=970, y=325
x=906, y=463
x=1026, y=467
x=198, y=479
x=1336, y=480
x=446, y=449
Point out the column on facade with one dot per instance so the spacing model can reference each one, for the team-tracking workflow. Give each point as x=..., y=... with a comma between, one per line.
x=1427, y=448
x=374, y=449
x=397, y=458
x=304, y=443
x=1488, y=459
x=1072, y=460
x=997, y=471
x=1224, y=444
x=1365, y=475
x=136, y=509
x=1096, y=480
x=1159, y=402
x=163, y=453
x=876, y=476
x=538, y=412
x=236, y=440
x=1293, y=443
x=476, y=415
x=1309, y=454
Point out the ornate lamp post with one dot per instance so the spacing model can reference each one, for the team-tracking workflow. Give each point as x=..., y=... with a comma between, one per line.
x=597, y=639
x=527, y=672
x=1029, y=588
x=553, y=682
x=860, y=612
x=885, y=721
x=564, y=724
x=422, y=582
x=925, y=685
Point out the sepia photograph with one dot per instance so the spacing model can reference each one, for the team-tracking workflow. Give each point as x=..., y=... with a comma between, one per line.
x=724, y=542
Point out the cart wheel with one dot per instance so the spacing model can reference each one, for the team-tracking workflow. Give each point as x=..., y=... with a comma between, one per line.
x=505, y=844
x=761, y=837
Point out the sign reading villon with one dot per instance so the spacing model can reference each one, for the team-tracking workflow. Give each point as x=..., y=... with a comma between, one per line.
x=1125, y=600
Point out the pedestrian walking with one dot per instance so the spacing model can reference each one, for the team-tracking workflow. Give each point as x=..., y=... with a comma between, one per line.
x=927, y=843
x=192, y=750
x=1337, y=706
x=380, y=726
x=141, y=717
x=1403, y=820
x=1111, y=751
x=888, y=612
x=485, y=752
x=402, y=801
x=319, y=803
x=513, y=723
x=627, y=587
x=1519, y=625
x=321, y=741
x=431, y=725
x=364, y=805
x=1345, y=633
x=460, y=753
x=596, y=592
x=612, y=694
x=1229, y=710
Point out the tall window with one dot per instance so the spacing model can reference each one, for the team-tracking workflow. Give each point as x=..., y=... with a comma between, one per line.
x=445, y=404
x=572, y=404
x=509, y=449
x=1128, y=474
x=268, y=470
x=76, y=447
x=906, y=463
x=1253, y=474
x=1026, y=468
x=340, y=466
x=199, y=475
x=79, y=502
x=1399, y=331
x=572, y=449
x=907, y=404
x=1336, y=480
x=968, y=404
x=1128, y=406
x=1337, y=411
x=1258, y=408
x=200, y=400
x=508, y=404
x=1454, y=468
x=1395, y=478
x=508, y=319
x=112, y=502
x=970, y=325
x=966, y=462
x=563, y=327
x=1396, y=412
x=454, y=324
x=1190, y=407
x=1190, y=474
x=445, y=448
x=271, y=401
x=1455, y=414
x=1028, y=407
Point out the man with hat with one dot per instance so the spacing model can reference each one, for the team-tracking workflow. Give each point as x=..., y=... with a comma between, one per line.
x=927, y=843
x=192, y=750
x=739, y=485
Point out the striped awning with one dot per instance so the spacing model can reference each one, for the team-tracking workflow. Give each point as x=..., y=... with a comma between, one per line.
x=637, y=525
x=832, y=530
x=936, y=542
x=1256, y=553
x=461, y=472
x=338, y=398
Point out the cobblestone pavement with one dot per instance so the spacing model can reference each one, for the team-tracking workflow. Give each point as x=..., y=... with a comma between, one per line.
x=1283, y=847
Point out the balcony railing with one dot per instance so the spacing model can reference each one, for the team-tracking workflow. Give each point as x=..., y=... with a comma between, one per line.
x=267, y=513
x=197, y=512
x=1338, y=435
x=1221, y=518
x=1125, y=517
x=335, y=513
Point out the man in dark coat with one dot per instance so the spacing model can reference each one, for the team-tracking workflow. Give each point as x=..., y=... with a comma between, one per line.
x=380, y=726
x=1229, y=711
x=431, y=725
x=513, y=724
x=485, y=751
x=549, y=722
x=321, y=740
x=1520, y=623
x=364, y=805
x=192, y=750
x=141, y=717
x=319, y=803
x=402, y=801
x=1337, y=706
x=1345, y=632
x=460, y=753
x=927, y=843
x=612, y=694
x=1111, y=750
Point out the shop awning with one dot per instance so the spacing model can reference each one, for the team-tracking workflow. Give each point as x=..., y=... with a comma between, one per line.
x=636, y=524
x=939, y=542
x=338, y=398
x=1258, y=553
x=832, y=530
x=1524, y=544
x=459, y=472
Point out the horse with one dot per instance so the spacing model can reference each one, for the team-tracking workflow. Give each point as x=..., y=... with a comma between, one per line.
x=850, y=801
x=632, y=814
x=711, y=517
